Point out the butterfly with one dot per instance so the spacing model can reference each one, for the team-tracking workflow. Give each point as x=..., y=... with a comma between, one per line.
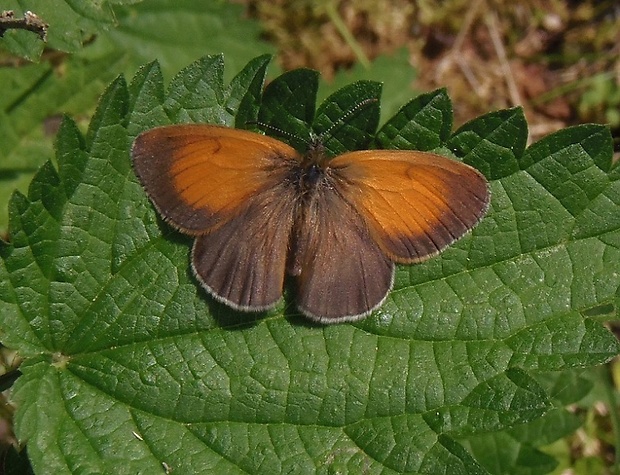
x=258, y=210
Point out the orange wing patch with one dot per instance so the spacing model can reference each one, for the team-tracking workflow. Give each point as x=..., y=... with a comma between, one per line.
x=415, y=203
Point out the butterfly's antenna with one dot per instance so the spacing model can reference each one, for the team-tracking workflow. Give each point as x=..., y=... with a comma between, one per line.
x=277, y=130
x=316, y=141
x=353, y=110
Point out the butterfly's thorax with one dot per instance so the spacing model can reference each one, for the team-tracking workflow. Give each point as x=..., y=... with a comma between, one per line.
x=311, y=176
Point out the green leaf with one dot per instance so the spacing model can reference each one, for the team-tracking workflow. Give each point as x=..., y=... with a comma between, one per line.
x=129, y=365
x=500, y=453
x=515, y=450
x=424, y=123
x=25, y=44
x=566, y=387
x=31, y=110
x=245, y=91
x=493, y=143
x=288, y=105
x=196, y=92
x=347, y=120
x=146, y=96
x=70, y=22
x=177, y=33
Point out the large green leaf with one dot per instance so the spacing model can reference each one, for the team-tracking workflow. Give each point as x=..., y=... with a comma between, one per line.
x=181, y=31
x=129, y=366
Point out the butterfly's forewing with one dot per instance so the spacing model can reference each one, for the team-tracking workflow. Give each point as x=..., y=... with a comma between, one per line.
x=197, y=175
x=343, y=274
x=229, y=188
x=415, y=203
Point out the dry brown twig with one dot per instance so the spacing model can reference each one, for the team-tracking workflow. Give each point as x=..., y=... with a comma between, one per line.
x=30, y=22
x=455, y=53
x=491, y=22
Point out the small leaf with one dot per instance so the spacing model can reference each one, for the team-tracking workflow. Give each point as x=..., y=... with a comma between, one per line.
x=426, y=121
x=493, y=143
x=147, y=96
x=197, y=93
x=347, y=120
x=245, y=91
x=499, y=453
x=26, y=44
x=288, y=106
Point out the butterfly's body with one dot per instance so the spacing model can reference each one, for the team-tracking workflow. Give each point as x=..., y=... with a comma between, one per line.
x=311, y=178
x=259, y=210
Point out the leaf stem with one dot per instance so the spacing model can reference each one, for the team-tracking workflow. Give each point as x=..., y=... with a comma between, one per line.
x=334, y=17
